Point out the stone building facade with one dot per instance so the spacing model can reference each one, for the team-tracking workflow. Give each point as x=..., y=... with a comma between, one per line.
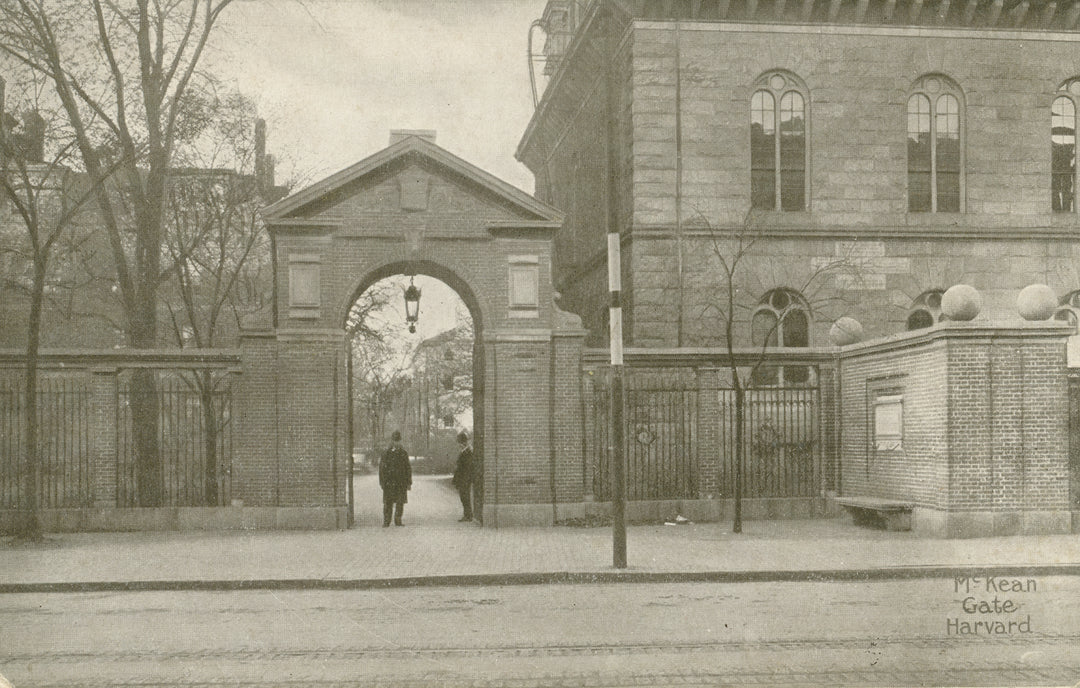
x=855, y=158
x=858, y=93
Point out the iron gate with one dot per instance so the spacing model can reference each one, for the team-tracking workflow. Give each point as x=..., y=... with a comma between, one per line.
x=669, y=440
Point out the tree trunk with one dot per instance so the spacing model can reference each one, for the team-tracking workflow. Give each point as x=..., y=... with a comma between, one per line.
x=30, y=526
x=146, y=408
x=740, y=413
x=211, y=431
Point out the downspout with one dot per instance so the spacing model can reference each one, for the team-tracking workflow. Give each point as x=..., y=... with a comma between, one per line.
x=678, y=182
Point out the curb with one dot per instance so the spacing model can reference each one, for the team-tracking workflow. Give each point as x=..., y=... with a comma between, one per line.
x=551, y=578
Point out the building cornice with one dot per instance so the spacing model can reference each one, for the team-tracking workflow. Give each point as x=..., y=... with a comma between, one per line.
x=943, y=230
x=877, y=30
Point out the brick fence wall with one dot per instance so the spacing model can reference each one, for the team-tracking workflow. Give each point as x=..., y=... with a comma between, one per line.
x=984, y=446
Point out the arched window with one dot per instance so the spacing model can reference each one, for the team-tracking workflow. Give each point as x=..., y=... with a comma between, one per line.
x=782, y=318
x=1063, y=147
x=778, y=155
x=935, y=151
x=926, y=310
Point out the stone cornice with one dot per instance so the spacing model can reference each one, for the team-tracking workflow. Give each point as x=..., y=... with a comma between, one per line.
x=952, y=330
x=941, y=229
x=1029, y=15
x=879, y=30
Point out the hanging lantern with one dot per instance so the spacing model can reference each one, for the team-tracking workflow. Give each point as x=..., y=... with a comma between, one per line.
x=412, y=305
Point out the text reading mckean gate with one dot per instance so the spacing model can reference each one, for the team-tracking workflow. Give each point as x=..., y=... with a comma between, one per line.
x=991, y=606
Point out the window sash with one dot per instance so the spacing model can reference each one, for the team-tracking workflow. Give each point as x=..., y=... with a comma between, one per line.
x=763, y=150
x=934, y=153
x=1063, y=155
x=778, y=151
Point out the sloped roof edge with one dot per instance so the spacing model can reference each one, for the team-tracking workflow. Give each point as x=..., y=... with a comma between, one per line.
x=435, y=153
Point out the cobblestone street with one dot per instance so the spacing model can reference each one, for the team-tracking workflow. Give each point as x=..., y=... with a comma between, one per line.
x=860, y=607
x=885, y=633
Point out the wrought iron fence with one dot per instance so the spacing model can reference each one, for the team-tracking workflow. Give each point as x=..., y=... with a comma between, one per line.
x=781, y=442
x=194, y=438
x=660, y=428
x=63, y=443
x=191, y=426
x=665, y=446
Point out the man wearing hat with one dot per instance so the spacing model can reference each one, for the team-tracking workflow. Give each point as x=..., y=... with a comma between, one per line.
x=463, y=475
x=395, y=479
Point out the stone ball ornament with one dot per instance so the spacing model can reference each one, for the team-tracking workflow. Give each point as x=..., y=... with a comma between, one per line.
x=961, y=302
x=1036, y=302
x=846, y=331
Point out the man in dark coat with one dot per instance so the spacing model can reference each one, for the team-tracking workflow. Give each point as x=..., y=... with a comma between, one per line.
x=463, y=475
x=395, y=478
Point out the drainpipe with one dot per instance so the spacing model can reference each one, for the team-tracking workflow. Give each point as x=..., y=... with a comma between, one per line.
x=678, y=182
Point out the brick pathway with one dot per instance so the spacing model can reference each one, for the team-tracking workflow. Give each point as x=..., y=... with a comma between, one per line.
x=435, y=544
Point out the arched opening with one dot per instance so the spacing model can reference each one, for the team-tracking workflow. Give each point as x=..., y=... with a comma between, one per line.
x=427, y=384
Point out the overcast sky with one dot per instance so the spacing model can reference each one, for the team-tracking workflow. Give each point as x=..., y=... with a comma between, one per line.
x=333, y=77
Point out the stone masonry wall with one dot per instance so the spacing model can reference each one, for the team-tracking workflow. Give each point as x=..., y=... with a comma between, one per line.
x=858, y=80
x=569, y=161
x=858, y=84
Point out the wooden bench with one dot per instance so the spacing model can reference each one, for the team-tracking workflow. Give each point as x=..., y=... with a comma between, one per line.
x=878, y=513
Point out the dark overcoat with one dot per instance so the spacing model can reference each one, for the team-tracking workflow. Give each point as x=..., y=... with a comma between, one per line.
x=395, y=474
x=463, y=471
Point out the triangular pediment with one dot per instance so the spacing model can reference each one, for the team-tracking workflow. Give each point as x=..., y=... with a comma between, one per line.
x=401, y=176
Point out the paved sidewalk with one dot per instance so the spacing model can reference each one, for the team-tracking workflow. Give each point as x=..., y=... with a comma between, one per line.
x=434, y=548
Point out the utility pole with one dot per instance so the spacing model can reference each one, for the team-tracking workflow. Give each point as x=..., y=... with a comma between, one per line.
x=614, y=268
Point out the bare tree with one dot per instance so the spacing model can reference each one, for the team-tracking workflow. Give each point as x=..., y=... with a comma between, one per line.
x=220, y=252
x=125, y=73
x=380, y=356
x=734, y=251
x=47, y=203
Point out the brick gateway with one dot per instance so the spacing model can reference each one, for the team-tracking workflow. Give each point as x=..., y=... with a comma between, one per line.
x=413, y=208
x=974, y=425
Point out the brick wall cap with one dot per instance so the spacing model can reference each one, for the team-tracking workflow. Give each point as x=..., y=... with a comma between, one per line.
x=1017, y=329
x=123, y=358
x=711, y=356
